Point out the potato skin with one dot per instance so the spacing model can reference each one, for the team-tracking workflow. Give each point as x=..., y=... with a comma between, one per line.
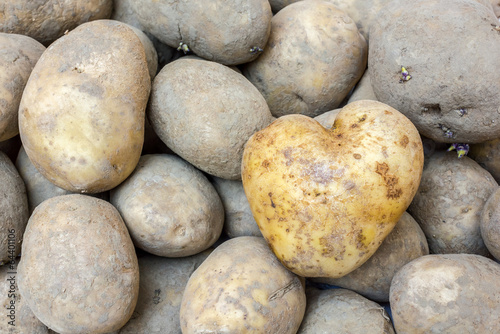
x=314, y=57
x=79, y=272
x=487, y=155
x=242, y=288
x=446, y=293
x=81, y=117
x=490, y=224
x=326, y=199
x=452, y=95
x=47, y=20
x=17, y=59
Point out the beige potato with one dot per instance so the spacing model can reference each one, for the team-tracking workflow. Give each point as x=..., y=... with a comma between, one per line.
x=47, y=20
x=81, y=117
x=449, y=202
x=405, y=243
x=446, y=293
x=490, y=224
x=487, y=155
x=314, y=57
x=325, y=199
x=327, y=119
x=78, y=271
x=18, y=56
x=363, y=89
x=242, y=288
x=169, y=207
x=205, y=112
x=495, y=4
x=343, y=311
x=229, y=33
x=14, y=212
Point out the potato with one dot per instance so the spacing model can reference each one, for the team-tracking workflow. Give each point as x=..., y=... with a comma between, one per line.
x=78, y=271
x=14, y=212
x=487, y=155
x=327, y=119
x=449, y=202
x=314, y=57
x=239, y=219
x=452, y=293
x=38, y=188
x=242, y=288
x=47, y=20
x=229, y=33
x=325, y=199
x=495, y=4
x=169, y=207
x=18, y=56
x=343, y=311
x=449, y=90
x=161, y=287
x=363, y=89
x=490, y=224
x=207, y=116
x=373, y=279
x=81, y=117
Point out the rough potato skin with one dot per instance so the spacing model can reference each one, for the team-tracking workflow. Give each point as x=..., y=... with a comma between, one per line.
x=14, y=212
x=47, y=20
x=449, y=202
x=314, y=57
x=452, y=95
x=242, y=288
x=490, y=224
x=343, y=311
x=81, y=117
x=446, y=293
x=79, y=272
x=205, y=112
x=217, y=30
x=487, y=155
x=363, y=89
x=405, y=243
x=325, y=199
x=169, y=207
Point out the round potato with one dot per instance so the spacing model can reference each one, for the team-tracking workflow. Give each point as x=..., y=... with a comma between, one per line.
x=242, y=288
x=205, y=112
x=490, y=224
x=449, y=202
x=373, y=279
x=446, y=293
x=229, y=33
x=14, y=212
x=81, y=117
x=443, y=83
x=325, y=199
x=239, y=219
x=18, y=56
x=314, y=57
x=169, y=207
x=343, y=311
x=47, y=20
x=78, y=271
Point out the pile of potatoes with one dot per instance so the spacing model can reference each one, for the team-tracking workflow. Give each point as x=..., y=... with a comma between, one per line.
x=262, y=166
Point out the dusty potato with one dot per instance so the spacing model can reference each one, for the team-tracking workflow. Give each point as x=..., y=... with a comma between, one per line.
x=229, y=33
x=81, y=117
x=325, y=199
x=47, y=20
x=446, y=293
x=495, y=4
x=447, y=88
x=490, y=224
x=14, y=212
x=18, y=56
x=487, y=155
x=449, y=202
x=242, y=288
x=343, y=311
x=169, y=207
x=373, y=279
x=78, y=271
x=327, y=119
x=161, y=287
x=239, y=219
x=363, y=89
x=205, y=112
x=314, y=57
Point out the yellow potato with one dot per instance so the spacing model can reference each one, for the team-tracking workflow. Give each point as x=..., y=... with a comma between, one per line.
x=325, y=199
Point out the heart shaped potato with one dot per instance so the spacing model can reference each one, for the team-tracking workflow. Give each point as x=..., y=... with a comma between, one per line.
x=325, y=199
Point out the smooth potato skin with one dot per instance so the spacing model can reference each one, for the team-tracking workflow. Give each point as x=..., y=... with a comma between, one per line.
x=81, y=117
x=326, y=199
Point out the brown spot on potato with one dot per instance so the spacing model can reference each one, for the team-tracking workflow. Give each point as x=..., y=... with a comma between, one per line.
x=390, y=180
x=354, y=125
x=362, y=119
x=270, y=197
x=404, y=141
x=265, y=163
x=357, y=156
